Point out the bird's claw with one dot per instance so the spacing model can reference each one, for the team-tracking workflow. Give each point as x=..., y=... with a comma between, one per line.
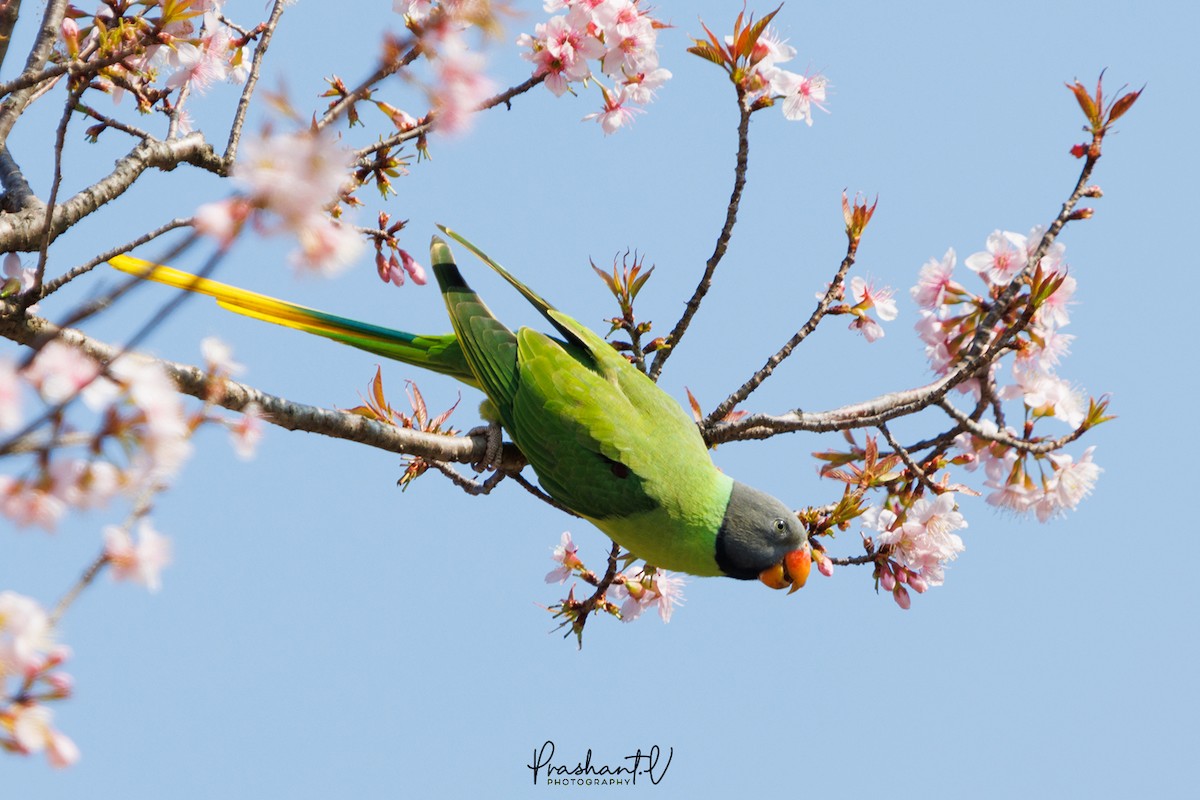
x=495, y=445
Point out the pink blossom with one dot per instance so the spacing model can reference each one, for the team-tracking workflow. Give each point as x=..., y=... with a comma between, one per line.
x=565, y=554
x=22, y=277
x=219, y=357
x=199, y=65
x=32, y=731
x=1004, y=259
x=1011, y=495
x=326, y=247
x=870, y=329
x=25, y=634
x=925, y=540
x=294, y=175
x=642, y=86
x=631, y=53
x=26, y=504
x=462, y=85
x=98, y=483
x=222, y=220
x=866, y=296
x=1054, y=311
x=934, y=281
x=800, y=94
x=414, y=10
x=560, y=51
x=615, y=115
x=141, y=562
x=1046, y=394
x=247, y=432
x=1053, y=261
x=902, y=597
x=662, y=590
x=1046, y=350
x=393, y=269
x=60, y=371
x=1073, y=480
x=10, y=396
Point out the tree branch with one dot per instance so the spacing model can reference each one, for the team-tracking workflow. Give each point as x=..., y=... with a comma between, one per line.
x=23, y=230
x=756, y=380
x=735, y=199
x=278, y=411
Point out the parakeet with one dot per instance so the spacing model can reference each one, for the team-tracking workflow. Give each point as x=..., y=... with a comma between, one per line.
x=604, y=440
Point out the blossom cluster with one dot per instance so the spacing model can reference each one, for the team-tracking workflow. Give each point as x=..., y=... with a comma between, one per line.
x=29, y=678
x=176, y=43
x=289, y=183
x=1021, y=479
x=618, y=38
x=751, y=56
x=919, y=539
x=460, y=84
x=629, y=594
x=766, y=82
x=139, y=415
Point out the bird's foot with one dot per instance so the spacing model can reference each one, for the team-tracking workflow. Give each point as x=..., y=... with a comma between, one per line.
x=495, y=445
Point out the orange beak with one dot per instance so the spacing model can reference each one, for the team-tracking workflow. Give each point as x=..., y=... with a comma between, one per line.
x=792, y=571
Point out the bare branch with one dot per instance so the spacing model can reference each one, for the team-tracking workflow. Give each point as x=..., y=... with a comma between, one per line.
x=243, y=106
x=735, y=199
x=15, y=103
x=82, y=269
x=9, y=11
x=907, y=458
x=278, y=411
x=23, y=230
x=1036, y=447
x=756, y=380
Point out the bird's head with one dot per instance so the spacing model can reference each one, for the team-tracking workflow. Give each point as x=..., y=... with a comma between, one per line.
x=760, y=537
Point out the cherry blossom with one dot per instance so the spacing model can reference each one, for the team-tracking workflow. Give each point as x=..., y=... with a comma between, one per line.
x=617, y=36
x=60, y=371
x=462, y=85
x=934, y=281
x=32, y=732
x=27, y=504
x=565, y=553
x=18, y=279
x=1005, y=257
x=24, y=634
x=141, y=562
x=615, y=114
x=1073, y=480
x=218, y=356
x=295, y=177
x=925, y=540
x=866, y=297
x=10, y=396
x=662, y=590
x=247, y=431
x=800, y=93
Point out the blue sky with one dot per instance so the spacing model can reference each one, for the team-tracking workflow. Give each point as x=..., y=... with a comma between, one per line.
x=323, y=634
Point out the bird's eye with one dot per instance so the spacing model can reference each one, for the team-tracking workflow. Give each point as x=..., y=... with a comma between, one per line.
x=780, y=526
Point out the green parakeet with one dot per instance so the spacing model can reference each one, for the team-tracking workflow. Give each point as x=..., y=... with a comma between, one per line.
x=604, y=440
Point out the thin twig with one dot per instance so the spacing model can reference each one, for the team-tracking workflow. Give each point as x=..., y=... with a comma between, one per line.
x=907, y=458
x=756, y=380
x=710, y=267
x=243, y=106
x=82, y=269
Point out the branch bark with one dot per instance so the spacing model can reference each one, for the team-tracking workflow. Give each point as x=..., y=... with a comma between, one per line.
x=279, y=411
